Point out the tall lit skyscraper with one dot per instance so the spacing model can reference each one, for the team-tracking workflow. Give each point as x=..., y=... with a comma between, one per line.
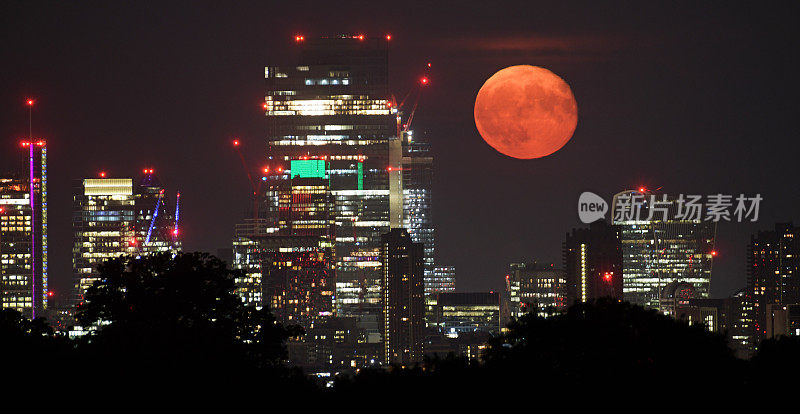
x=23, y=233
x=417, y=175
x=334, y=105
x=403, y=316
x=773, y=274
x=662, y=250
x=112, y=217
x=287, y=256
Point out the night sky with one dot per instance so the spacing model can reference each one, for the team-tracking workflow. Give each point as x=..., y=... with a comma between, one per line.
x=697, y=99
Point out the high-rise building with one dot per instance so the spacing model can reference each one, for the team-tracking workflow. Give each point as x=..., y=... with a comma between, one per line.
x=417, y=181
x=23, y=234
x=531, y=287
x=403, y=318
x=659, y=248
x=773, y=276
x=593, y=263
x=334, y=105
x=287, y=255
x=113, y=217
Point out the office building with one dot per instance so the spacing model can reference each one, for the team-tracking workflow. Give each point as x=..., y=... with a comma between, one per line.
x=773, y=277
x=660, y=248
x=112, y=217
x=403, y=317
x=468, y=313
x=334, y=104
x=23, y=233
x=531, y=287
x=593, y=263
x=286, y=257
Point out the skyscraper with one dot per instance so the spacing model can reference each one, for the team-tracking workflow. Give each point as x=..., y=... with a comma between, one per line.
x=417, y=181
x=659, y=250
x=593, y=263
x=334, y=105
x=23, y=233
x=287, y=256
x=112, y=217
x=403, y=318
x=773, y=274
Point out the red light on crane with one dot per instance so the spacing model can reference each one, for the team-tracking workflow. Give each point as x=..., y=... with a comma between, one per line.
x=713, y=252
x=29, y=102
x=102, y=174
x=642, y=189
x=266, y=170
x=429, y=64
x=388, y=37
x=175, y=232
x=360, y=37
x=607, y=276
x=424, y=80
x=51, y=294
x=236, y=143
x=264, y=105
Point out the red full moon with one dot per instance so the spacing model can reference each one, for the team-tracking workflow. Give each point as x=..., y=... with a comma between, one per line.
x=526, y=112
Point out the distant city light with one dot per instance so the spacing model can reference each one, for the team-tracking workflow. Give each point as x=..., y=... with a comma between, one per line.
x=388, y=37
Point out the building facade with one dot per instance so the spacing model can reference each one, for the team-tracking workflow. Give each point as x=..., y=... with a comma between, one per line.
x=403, y=316
x=593, y=263
x=660, y=248
x=23, y=233
x=114, y=217
x=469, y=313
x=531, y=287
x=334, y=104
x=773, y=275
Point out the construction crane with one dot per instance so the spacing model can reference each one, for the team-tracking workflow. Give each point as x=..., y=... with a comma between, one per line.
x=153, y=220
x=424, y=81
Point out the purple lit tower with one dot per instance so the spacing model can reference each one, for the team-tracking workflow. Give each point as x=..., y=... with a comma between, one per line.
x=23, y=233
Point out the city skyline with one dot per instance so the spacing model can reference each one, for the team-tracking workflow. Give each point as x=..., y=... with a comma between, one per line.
x=183, y=131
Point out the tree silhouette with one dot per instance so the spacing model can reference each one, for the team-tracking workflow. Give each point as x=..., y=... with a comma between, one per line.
x=179, y=317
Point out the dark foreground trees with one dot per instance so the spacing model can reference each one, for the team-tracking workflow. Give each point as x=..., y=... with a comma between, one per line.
x=177, y=320
x=172, y=325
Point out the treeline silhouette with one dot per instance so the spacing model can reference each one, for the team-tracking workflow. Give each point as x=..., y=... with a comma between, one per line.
x=174, y=325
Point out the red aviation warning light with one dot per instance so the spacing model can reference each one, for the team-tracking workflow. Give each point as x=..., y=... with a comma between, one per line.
x=388, y=37
x=642, y=189
x=236, y=143
x=299, y=38
x=102, y=174
x=29, y=102
x=360, y=37
x=50, y=293
x=714, y=253
x=424, y=80
x=608, y=276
